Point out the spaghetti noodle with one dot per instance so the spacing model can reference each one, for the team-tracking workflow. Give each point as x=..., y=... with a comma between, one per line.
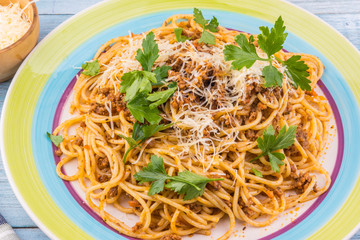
x=217, y=115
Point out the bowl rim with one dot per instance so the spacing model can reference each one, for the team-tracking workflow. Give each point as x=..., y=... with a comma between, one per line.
x=28, y=32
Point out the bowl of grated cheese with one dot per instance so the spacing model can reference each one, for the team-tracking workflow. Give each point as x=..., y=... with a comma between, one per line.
x=19, y=33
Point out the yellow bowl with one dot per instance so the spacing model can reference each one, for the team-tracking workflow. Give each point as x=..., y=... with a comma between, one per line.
x=12, y=56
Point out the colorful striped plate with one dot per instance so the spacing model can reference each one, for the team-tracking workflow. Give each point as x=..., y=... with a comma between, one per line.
x=39, y=94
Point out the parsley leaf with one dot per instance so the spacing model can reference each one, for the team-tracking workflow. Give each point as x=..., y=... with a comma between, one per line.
x=256, y=172
x=272, y=76
x=153, y=172
x=149, y=130
x=199, y=18
x=139, y=108
x=276, y=160
x=136, y=82
x=297, y=71
x=161, y=73
x=206, y=36
x=159, y=98
x=141, y=133
x=190, y=184
x=271, y=41
x=245, y=55
x=149, y=54
x=91, y=68
x=131, y=141
x=179, y=37
x=269, y=143
x=212, y=26
x=56, y=140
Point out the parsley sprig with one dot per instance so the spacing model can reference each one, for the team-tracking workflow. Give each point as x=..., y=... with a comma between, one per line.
x=256, y=172
x=140, y=134
x=188, y=183
x=179, y=37
x=150, y=52
x=208, y=27
x=56, y=140
x=269, y=143
x=270, y=41
x=91, y=68
x=138, y=85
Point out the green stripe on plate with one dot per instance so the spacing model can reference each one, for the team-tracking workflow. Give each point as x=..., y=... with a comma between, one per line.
x=17, y=135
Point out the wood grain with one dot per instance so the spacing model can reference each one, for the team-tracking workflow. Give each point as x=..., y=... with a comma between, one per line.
x=343, y=15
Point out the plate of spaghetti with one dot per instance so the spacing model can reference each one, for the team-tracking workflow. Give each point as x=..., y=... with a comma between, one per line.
x=177, y=121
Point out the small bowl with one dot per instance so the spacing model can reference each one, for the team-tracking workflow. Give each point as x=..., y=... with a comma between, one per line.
x=12, y=56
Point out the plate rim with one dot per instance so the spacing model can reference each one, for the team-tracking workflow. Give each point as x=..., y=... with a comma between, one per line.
x=9, y=175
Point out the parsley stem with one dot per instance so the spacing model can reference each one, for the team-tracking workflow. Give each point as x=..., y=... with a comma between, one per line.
x=184, y=181
x=257, y=157
x=130, y=148
x=265, y=59
x=281, y=61
x=127, y=152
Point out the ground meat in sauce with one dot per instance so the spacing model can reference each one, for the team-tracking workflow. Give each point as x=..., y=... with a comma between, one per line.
x=137, y=227
x=293, y=171
x=242, y=203
x=78, y=141
x=195, y=207
x=98, y=109
x=260, y=106
x=251, y=90
x=58, y=152
x=276, y=123
x=291, y=151
x=302, y=137
x=216, y=185
x=83, y=124
x=302, y=181
x=278, y=191
x=103, y=163
x=134, y=204
x=288, y=109
x=250, y=213
x=118, y=104
x=252, y=116
x=113, y=192
x=104, y=91
x=251, y=135
x=103, y=178
x=171, y=236
x=228, y=203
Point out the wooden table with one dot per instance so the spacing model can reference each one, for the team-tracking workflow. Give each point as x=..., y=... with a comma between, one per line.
x=344, y=15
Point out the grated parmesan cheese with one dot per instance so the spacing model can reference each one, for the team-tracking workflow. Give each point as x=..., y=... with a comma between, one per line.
x=13, y=24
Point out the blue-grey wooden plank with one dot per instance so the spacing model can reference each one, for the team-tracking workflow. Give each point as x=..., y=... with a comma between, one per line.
x=356, y=236
x=347, y=24
x=314, y=6
x=10, y=208
x=63, y=6
x=328, y=7
x=30, y=234
x=49, y=22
